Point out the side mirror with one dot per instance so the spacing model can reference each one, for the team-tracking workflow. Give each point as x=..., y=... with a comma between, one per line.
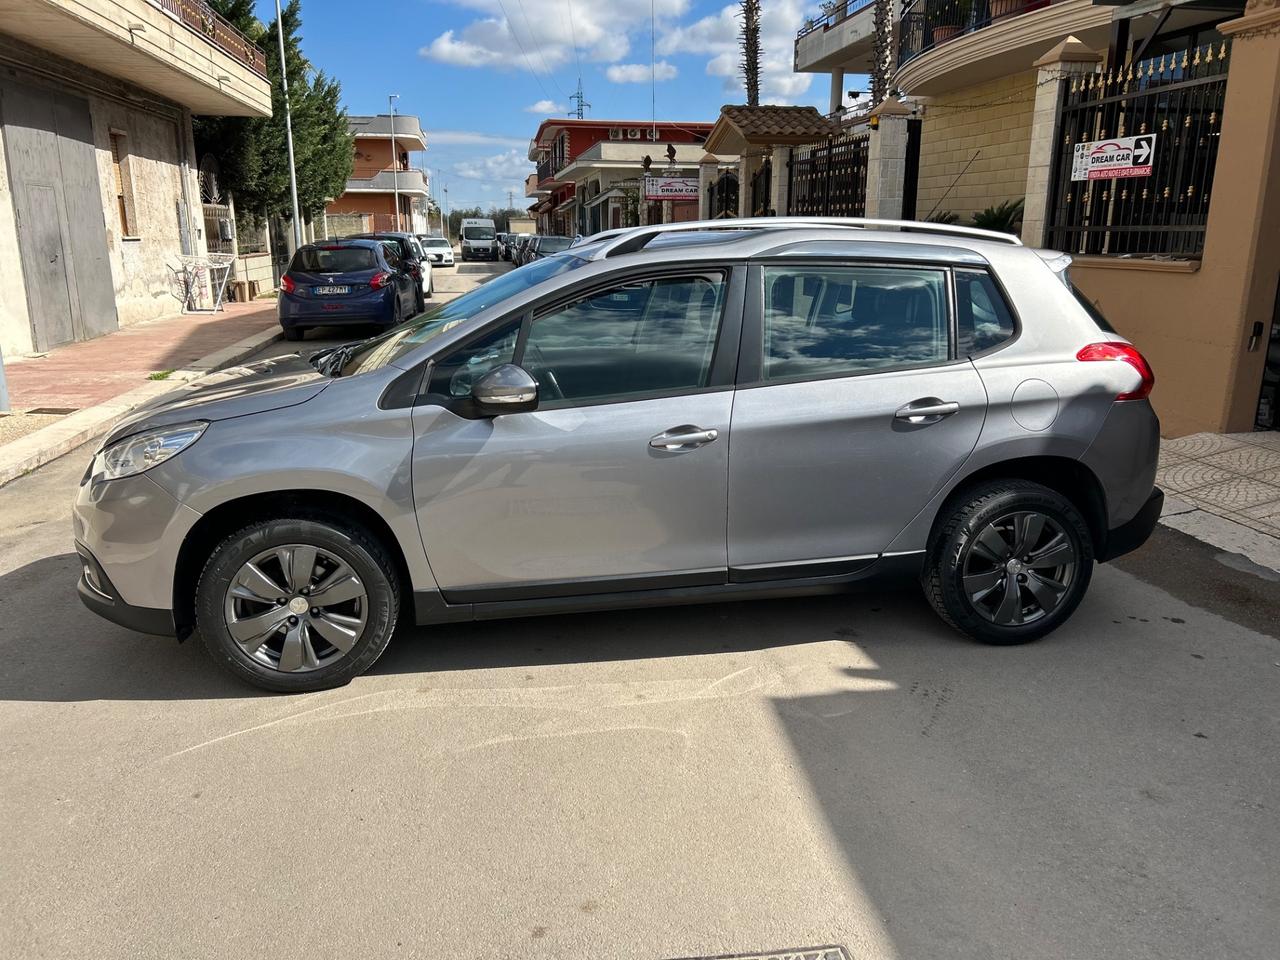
x=505, y=389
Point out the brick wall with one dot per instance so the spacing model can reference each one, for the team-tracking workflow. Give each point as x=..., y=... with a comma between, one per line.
x=993, y=118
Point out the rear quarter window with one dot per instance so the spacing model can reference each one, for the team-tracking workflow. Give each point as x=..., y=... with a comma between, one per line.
x=983, y=318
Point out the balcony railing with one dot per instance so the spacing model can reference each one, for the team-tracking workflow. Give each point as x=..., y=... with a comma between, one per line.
x=200, y=18
x=928, y=23
x=833, y=13
x=544, y=171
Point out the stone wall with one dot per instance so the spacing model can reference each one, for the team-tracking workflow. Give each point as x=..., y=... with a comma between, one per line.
x=991, y=119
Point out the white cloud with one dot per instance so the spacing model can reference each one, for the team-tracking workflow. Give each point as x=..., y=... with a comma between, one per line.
x=510, y=165
x=538, y=35
x=545, y=107
x=640, y=72
x=717, y=36
x=472, y=138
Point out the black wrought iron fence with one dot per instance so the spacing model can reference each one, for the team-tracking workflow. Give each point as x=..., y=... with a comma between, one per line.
x=1177, y=99
x=830, y=178
x=762, y=189
x=724, y=195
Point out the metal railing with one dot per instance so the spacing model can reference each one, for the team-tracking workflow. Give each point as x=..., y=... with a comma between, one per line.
x=199, y=17
x=927, y=23
x=833, y=14
x=1177, y=99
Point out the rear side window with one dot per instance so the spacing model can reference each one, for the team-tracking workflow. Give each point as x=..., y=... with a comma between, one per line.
x=333, y=259
x=393, y=257
x=983, y=319
x=831, y=321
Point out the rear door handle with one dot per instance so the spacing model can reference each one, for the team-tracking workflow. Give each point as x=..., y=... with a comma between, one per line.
x=684, y=437
x=927, y=410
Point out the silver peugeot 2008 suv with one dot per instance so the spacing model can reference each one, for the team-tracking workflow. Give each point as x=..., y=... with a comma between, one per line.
x=671, y=414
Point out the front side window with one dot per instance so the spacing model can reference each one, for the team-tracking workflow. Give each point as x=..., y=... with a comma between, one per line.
x=983, y=319
x=644, y=338
x=830, y=321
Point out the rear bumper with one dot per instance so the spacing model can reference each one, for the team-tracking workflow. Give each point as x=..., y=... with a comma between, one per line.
x=1131, y=535
x=308, y=312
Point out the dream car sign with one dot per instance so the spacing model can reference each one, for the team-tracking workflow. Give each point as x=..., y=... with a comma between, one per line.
x=1114, y=158
x=671, y=188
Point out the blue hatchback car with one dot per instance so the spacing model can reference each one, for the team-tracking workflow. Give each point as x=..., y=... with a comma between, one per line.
x=341, y=282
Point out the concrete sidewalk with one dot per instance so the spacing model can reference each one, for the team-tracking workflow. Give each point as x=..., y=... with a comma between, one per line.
x=73, y=393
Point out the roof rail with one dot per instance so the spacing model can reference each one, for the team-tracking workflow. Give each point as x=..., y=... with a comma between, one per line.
x=637, y=238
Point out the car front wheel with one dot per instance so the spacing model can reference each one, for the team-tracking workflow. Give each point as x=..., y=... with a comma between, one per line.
x=298, y=604
x=1008, y=561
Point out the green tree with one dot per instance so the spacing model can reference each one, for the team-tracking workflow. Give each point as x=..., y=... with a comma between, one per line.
x=252, y=151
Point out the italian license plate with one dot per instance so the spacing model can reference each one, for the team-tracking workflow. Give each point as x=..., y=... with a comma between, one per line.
x=331, y=290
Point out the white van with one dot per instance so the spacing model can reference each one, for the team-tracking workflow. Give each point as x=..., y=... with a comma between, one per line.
x=479, y=239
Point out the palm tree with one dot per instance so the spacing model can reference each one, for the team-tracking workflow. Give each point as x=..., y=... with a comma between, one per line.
x=751, y=49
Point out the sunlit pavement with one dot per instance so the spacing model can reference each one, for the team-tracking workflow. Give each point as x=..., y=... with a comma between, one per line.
x=660, y=783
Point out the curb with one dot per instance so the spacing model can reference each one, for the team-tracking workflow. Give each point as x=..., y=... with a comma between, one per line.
x=36, y=449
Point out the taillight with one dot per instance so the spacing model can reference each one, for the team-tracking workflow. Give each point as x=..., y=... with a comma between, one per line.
x=379, y=280
x=1126, y=353
x=287, y=284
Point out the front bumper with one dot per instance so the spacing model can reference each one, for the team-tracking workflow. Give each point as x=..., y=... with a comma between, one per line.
x=1131, y=535
x=128, y=533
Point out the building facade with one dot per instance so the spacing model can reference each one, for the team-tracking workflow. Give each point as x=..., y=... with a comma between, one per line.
x=99, y=195
x=1142, y=138
x=382, y=169
x=591, y=173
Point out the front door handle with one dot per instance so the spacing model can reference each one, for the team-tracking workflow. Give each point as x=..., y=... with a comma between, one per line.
x=685, y=437
x=927, y=410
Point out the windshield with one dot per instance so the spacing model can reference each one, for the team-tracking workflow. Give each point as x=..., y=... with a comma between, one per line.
x=332, y=260
x=375, y=353
x=478, y=233
x=435, y=242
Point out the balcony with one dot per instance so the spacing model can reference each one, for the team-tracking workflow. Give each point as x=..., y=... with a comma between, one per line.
x=949, y=44
x=409, y=180
x=531, y=188
x=841, y=38
x=177, y=49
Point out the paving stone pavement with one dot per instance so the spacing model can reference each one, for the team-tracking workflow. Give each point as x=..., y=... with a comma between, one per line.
x=1235, y=476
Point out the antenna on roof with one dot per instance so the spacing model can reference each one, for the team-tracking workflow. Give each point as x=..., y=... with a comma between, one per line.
x=577, y=97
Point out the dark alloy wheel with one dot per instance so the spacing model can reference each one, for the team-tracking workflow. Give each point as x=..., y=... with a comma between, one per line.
x=1008, y=561
x=297, y=604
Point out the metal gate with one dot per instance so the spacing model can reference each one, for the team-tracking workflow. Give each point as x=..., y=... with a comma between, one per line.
x=724, y=195
x=762, y=189
x=830, y=178
x=62, y=242
x=1178, y=97
x=219, y=228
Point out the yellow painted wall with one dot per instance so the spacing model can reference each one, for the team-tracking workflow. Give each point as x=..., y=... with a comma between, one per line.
x=992, y=119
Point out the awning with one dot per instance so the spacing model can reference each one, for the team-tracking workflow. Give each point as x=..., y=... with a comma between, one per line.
x=567, y=205
x=614, y=194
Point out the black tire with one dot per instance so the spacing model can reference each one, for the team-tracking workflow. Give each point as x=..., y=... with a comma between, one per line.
x=293, y=334
x=362, y=552
x=419, y=301
x=397, y=311
x=966, y=520
x=431, y=288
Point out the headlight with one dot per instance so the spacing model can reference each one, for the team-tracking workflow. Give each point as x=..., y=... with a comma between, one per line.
x=142, y=451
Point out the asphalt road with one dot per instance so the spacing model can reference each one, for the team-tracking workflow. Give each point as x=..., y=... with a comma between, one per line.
x=650, y=784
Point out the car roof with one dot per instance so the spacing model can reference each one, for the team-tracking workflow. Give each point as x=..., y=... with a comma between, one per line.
x=367, y=243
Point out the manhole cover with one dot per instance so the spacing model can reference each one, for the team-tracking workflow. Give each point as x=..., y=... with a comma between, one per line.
x=53, y=410
x=834, y=952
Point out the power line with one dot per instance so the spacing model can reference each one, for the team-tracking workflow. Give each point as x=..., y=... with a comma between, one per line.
x=573, y=33
x=524, y=13
x=511, y=26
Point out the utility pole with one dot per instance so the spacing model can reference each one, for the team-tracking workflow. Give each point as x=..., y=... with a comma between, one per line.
x=445, y=222
x=395, y=155
x=288, y=131
x=577, y=97
x=511, y=202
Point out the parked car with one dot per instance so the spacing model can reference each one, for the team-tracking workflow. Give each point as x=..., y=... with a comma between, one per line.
x=438, y=249
x=415, y=259
x=342, y=282
x=785, y=407
x=521, y=245
x=546, y=246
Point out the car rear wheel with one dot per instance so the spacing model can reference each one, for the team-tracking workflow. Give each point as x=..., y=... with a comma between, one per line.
x=1008, y=562
x=294, y=334
x=297, y=604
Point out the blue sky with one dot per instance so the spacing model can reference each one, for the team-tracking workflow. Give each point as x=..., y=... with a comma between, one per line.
x=481, y=74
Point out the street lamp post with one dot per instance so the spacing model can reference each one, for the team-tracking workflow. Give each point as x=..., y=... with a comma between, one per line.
x=395, y=156
x=288, y=131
